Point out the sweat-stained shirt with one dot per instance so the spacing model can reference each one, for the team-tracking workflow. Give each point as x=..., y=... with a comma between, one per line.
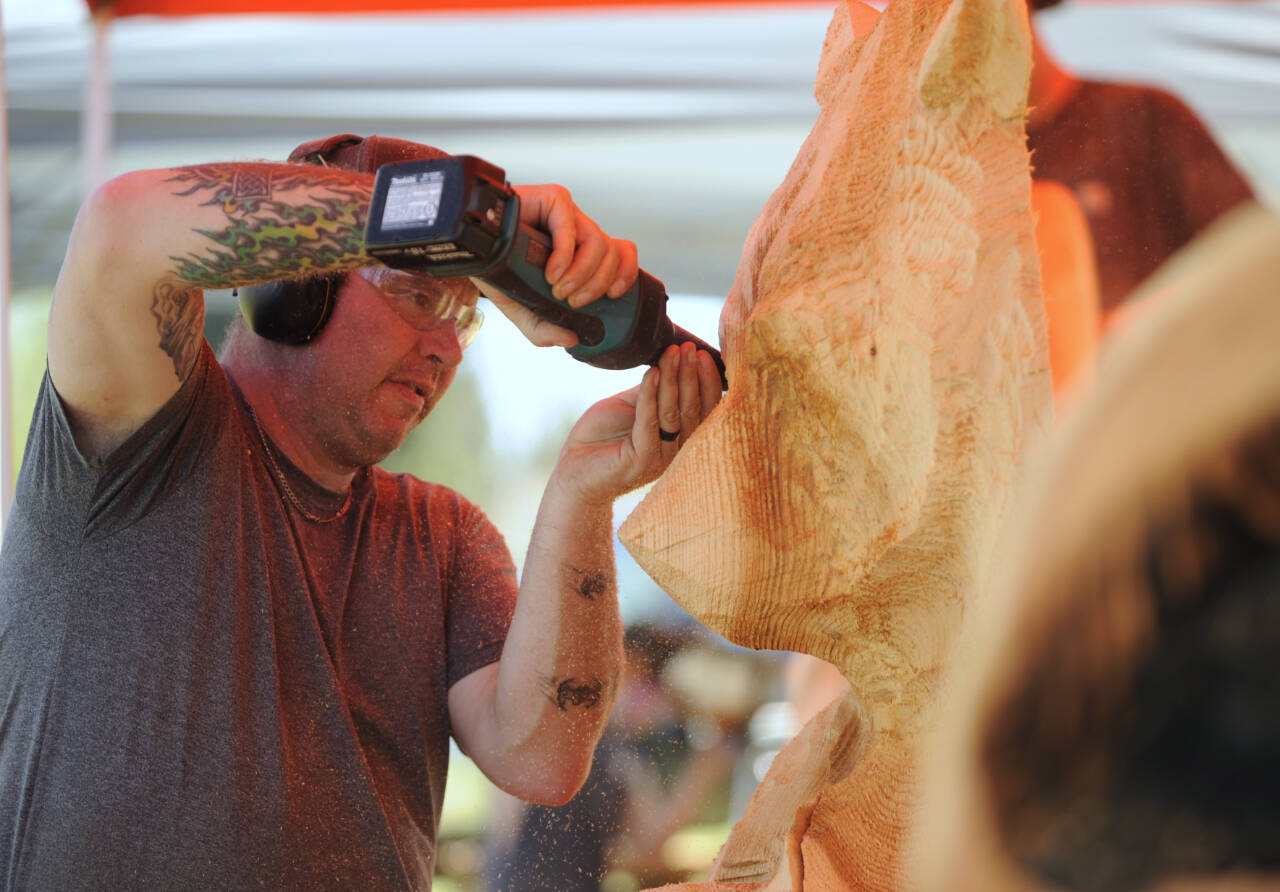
x=200, y=688
x=1147, y=173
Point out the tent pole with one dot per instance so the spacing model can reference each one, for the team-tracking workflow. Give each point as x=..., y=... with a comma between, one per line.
x=6, y=286
x=96, y=124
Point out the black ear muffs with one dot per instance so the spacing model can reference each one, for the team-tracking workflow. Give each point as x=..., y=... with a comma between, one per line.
x=290, y=312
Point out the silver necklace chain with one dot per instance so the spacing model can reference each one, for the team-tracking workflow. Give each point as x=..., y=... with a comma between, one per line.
x=284, y=483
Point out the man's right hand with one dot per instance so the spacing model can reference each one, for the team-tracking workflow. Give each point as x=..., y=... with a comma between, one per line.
x=584, y=265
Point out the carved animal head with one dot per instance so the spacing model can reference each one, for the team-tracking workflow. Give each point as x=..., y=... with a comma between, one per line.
x=886, y=356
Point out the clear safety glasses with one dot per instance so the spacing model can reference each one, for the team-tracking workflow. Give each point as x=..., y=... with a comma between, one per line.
x=426, y=302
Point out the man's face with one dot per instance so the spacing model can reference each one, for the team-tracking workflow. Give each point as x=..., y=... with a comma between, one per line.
x=379, y=366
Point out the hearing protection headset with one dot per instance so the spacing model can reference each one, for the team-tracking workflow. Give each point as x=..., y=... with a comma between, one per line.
x=295, y=311
x=291, y=312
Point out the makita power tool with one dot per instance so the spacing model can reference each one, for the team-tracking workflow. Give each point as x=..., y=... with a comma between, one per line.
x=458, y=216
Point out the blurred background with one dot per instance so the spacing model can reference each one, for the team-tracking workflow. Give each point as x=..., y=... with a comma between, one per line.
x=671, y=124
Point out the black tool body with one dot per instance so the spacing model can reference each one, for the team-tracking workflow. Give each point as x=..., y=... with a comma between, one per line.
x=458, y=217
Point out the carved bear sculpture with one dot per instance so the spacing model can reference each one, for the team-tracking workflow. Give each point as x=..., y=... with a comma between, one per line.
x=886, y=354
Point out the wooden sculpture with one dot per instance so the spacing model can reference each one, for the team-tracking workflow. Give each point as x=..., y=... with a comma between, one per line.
x=1112, y=723
x=887, y=363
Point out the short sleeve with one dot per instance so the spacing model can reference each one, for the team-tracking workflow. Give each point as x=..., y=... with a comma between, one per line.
x=1209, y=183
x=115, y=491
x=482, y=588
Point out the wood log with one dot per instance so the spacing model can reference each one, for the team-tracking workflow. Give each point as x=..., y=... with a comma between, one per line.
x=887, y=360
x=822, y=755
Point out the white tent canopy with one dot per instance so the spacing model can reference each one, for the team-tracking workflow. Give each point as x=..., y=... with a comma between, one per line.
x=671, y=125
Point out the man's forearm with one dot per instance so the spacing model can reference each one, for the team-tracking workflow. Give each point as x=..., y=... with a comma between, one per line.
x=563, y=656
x=148, y=242
x=127, y=318
x=278, y=220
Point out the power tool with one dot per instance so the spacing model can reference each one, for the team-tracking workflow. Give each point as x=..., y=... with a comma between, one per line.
x=458, y=216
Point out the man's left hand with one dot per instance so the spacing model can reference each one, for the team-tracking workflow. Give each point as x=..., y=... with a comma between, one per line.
x=628, y=440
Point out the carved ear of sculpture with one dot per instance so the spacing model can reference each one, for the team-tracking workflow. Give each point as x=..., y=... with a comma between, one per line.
x=974, y=57
x=851, y=25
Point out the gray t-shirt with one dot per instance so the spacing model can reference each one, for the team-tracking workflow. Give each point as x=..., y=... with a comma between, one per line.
x=204, y=689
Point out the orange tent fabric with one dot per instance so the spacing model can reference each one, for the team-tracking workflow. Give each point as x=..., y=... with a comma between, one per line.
x=311, y=7
x=121, y=8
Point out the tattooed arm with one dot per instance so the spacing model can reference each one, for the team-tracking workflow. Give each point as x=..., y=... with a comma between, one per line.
x=532, y=720
x=128, y=309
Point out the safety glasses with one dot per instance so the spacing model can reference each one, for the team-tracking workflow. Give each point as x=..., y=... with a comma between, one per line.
x=426, y=302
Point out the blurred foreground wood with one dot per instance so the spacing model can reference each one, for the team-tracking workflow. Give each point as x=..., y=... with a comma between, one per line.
x=887, y=361
x=1111, y=722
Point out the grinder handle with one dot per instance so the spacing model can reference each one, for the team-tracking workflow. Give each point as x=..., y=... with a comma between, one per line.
x=613, y=333
x=600, y=325
x=523, y=279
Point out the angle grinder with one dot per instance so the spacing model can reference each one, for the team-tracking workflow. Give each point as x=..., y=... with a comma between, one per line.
x=458, y=216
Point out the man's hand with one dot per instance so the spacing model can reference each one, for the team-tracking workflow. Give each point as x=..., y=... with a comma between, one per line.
x=584, y=263
x=617, y=445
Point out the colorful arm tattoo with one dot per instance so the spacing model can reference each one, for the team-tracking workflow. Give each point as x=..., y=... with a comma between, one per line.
x=318, y=227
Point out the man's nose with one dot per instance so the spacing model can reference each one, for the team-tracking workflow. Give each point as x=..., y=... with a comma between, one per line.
x=441, y=341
